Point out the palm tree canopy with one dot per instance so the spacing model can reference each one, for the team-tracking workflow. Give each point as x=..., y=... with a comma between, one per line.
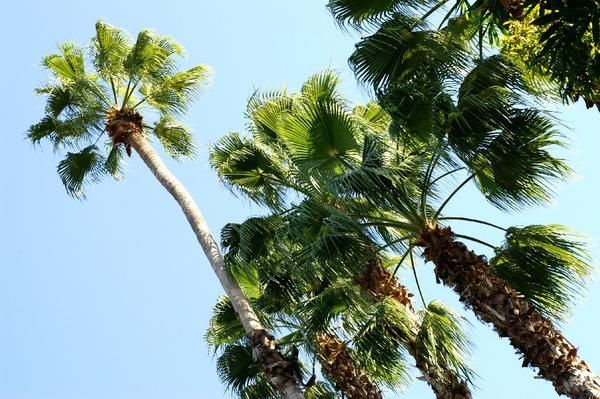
x=109, y=78
x=304, y=304
x=370, y=188
x=557, y=40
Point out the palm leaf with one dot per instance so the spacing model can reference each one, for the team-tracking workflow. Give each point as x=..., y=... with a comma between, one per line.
x=358, y=13
x=443, y=342
x=80, y=168
x=246, y=167
x=114, y=162
x=173, y=94
x=68, y=65
x=109, y=50
x=149, y=57
x=401, y=49
x=224, y=326
x=548, y=264
x=237, y=368
x=176, y=138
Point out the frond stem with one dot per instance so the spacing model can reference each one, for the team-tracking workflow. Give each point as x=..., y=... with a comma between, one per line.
x=487, y=244
x=125, y=94
x=402, y=259
x=412, y=265
x=114, y=91
x=474, y=221
x=404, y=226
x=445, y=174
x=460, y=186
x=433, y=9
x=426, y=185
x=139, y=103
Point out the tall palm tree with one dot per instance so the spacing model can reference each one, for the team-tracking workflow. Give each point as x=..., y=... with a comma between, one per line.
x=126, y=78
x=265, y=171
x=556, y=39
x=363, y=184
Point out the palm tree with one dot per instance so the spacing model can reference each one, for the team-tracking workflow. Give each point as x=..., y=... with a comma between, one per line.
x=369, y=182
x=82, y=105
x=318, y=312
x=555, y=39
x=266, y=171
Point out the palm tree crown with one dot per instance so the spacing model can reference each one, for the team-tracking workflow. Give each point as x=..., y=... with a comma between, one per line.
x=107, y=94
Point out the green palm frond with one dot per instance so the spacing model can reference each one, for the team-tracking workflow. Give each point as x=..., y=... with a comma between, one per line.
x=114, y=162
x=264, y=112
x=68, y=65
x=516, y=168
x=548, y=264
x=261, y=389
x=320, y=136
x=245, y=167
x=358, y=13
x=150, y=57
x=81, y=127
x=79, y=168
x=322, y=87
x=176, y=138
x=402, y=49
x=109, y=50
x=443, y=342
x=173, y=94
x=253, y=238
x=60, y=99
x=320, y=391
x=322, y=311
x=327, y=234
x=372, y=118
x=378, y=336
x=237, y=369
x=224, y=326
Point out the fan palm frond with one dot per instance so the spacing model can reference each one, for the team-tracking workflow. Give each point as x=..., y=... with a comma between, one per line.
x=548, y=264
x=247, y=168
x=443, y=341
x=176, y=138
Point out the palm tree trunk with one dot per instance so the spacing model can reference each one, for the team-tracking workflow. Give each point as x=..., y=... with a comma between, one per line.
x=279, y=371
x=495, y=302
x=380, y=283
x=514, y=8
x=337, y=363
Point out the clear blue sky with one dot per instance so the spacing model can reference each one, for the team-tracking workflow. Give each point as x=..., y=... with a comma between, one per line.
x=110, y=298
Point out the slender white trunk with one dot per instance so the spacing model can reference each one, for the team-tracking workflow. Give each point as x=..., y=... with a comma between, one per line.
x=286, y=384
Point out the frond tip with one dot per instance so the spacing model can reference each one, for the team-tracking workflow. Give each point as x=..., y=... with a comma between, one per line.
x=548, y=264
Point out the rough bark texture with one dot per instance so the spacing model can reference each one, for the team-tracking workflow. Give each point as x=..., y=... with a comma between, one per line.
x=380, y=283
x=337, y=363
x=514, y=8
x=495, y=302
x=264, y=349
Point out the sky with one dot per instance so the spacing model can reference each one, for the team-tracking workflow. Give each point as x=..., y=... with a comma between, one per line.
x=110, y=297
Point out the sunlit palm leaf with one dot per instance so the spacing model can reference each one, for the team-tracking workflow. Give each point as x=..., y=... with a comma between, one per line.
x=443, y=340
x=175, y=138
x=548, y=264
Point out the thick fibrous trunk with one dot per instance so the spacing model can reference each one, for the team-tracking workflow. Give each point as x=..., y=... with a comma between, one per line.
x=337, y=363
x=494, y=301
x=380, y=283
x=280, y=372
